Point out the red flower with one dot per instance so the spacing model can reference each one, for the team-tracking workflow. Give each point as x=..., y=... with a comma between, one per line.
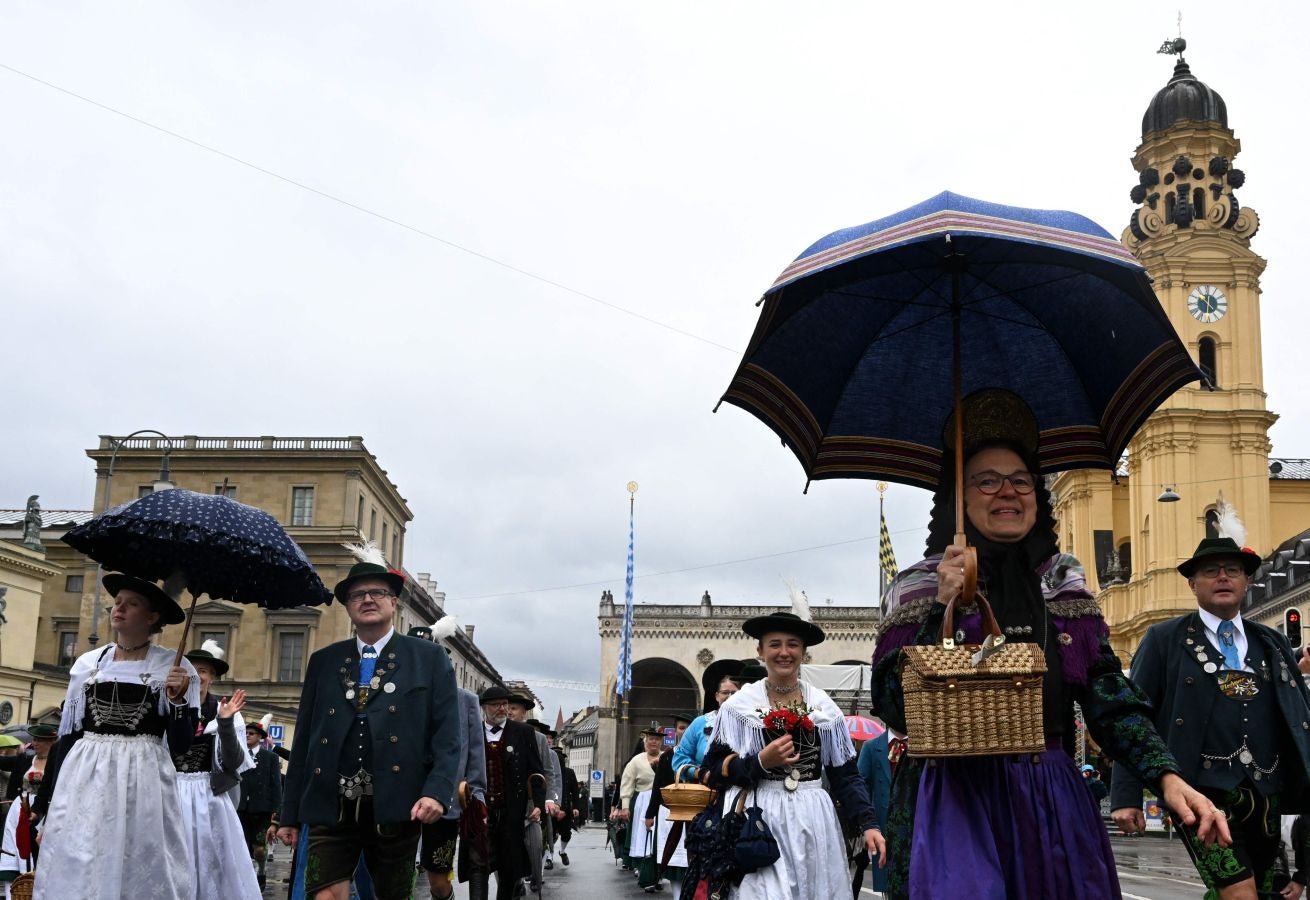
x=807, y=723
x=780, y=720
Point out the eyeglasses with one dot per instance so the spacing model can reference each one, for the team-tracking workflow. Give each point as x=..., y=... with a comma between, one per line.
x=990, y=482
x=1212, y=570
x=371, y=593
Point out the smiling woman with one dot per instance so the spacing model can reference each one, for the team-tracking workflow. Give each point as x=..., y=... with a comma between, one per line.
x=1023, y=826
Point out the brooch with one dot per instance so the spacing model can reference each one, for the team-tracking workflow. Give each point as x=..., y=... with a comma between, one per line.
x=1064, y=638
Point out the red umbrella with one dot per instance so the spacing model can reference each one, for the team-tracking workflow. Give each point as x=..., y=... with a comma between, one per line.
x=862, y=729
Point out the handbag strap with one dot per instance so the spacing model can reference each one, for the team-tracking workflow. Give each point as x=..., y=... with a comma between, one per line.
x=948, y=620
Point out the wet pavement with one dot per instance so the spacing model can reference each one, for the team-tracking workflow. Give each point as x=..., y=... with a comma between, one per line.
x=1150, y=868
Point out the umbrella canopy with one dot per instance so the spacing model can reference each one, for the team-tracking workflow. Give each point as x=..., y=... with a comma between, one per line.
x=863, y=729
x=225, y=549
x=852, y=362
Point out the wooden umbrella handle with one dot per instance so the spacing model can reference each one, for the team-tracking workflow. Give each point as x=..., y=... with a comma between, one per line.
x=186, y=630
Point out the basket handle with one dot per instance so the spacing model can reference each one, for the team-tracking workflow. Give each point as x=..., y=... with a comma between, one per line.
x=948, y=621
x=677, y=776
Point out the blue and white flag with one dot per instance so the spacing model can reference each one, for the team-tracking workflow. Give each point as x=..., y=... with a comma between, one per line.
x=623, y=683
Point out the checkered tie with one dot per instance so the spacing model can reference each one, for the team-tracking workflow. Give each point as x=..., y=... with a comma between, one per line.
x=1228, y=646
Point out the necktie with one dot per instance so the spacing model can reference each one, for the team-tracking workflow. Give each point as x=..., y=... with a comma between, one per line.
x=495, y=729
x=368, y=662
x=1228, y=646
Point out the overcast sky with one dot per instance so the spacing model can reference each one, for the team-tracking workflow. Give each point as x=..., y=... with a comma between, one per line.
x=666, y=158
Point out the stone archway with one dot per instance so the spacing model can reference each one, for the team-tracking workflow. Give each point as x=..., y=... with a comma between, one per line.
x=661, y=689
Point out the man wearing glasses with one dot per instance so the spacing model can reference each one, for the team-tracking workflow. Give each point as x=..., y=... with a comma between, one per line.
x=377, y=744
x=1234, y=710
x=516, y=784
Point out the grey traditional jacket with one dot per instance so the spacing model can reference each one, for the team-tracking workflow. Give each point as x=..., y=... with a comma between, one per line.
x=1170, y=668
x=413, y=723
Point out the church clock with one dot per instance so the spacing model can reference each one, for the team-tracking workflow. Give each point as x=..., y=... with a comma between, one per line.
x=1207, y=304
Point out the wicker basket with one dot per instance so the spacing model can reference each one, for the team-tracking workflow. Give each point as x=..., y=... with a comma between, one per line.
x=685, y=800
x=956, y=708
x=21, y=887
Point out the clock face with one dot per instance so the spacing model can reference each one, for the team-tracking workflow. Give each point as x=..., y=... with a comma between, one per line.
x=1207, y=304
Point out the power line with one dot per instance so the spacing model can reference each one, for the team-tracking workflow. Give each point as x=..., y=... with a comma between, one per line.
x=714, y=565
x=369, y=212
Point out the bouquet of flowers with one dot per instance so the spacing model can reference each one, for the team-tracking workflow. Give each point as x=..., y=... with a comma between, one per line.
x=785, y=721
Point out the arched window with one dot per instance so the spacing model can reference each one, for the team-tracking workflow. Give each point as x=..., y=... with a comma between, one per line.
x=1126, y=559
x=1198, y=201
x=1206, y=360
x=1211, y=523
x=1169, y=208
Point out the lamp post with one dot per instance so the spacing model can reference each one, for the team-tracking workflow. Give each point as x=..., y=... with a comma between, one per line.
x=161, y=484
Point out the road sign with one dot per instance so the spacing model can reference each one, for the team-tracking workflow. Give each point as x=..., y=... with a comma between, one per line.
x=275, y=732
x=597, y=783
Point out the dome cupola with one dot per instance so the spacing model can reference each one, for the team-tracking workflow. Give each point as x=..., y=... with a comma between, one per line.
x=1184, y=99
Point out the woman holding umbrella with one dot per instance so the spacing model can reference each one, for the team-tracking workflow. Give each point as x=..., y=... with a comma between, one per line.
x=1019, y=826
x=776, y=739
x=114, y=827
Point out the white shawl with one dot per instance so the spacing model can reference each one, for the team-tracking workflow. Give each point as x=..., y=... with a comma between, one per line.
x=99, y=665
x=740, y=723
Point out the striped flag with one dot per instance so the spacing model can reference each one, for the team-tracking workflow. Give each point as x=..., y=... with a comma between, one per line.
x=886, y=555
x=623, y=682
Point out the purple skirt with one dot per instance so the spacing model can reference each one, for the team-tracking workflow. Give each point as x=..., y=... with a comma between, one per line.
x=1009, y=828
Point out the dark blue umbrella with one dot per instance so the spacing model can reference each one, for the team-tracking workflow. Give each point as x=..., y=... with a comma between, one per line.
x=210, y=543
x=869, y=340
x=852, y=360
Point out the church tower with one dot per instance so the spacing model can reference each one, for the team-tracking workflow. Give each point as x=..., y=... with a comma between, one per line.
x=1194, y=238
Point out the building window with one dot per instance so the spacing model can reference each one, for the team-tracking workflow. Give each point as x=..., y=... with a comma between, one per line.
x=372, y=524
x=218, y=637
x=359, y=514
x=73, y=584
x=395, y=549
x=302, y=506
x=1206, y=361
x=225, y=490
x=144, y=490
x=384, y=540
x=290, y=655
x=67, y=647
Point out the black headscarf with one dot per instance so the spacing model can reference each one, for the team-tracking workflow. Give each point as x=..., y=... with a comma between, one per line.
x=1007, y=572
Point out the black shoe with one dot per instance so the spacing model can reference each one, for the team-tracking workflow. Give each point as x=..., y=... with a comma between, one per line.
x=550, y=863
x=564, y=857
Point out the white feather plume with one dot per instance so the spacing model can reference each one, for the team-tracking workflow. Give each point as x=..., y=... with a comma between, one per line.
x=367, y=552
x=1228, y=524
x=211, y=647
x=444, y=628
x=266, y=720
x=800, y=603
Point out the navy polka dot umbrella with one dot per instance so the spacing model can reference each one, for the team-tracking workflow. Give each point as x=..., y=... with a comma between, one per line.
x=207, y=543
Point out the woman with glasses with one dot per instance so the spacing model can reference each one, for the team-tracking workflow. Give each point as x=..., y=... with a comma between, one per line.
x=1019, y=826
x=696, y=739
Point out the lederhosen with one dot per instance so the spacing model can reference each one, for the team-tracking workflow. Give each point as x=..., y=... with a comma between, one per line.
x=1241, y=769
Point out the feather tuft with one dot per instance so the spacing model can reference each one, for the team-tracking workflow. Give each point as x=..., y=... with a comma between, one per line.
x=1228, y=524
x=213, y=649
x=800, y=603
x=367, y=552
x=444, y=628
x=266, y=720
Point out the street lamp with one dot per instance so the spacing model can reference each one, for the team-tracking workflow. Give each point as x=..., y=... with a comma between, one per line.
x=161, y=484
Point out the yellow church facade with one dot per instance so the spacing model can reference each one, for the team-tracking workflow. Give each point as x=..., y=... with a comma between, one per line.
x=1194, y=238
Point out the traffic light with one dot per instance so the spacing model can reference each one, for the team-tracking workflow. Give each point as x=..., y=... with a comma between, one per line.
x=1292, y=626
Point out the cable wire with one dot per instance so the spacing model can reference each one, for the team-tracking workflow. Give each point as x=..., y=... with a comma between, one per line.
x=369, y=212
